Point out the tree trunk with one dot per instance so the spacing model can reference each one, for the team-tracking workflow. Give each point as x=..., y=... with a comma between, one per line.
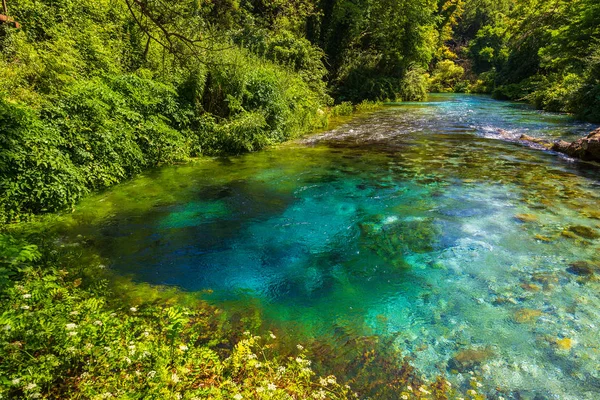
x=4, y=8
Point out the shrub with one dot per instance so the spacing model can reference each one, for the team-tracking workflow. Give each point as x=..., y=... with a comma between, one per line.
x=446, y=76
x=413, y=86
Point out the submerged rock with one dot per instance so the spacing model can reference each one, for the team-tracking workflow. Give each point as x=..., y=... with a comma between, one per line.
x=543, y=238
x=526, y=315
x=582, y=268
x=587, y=148
x=531, y=287
x=564, y=344
x=526, y=217
x=581, y=231
x=468, y=359
x=542, y=142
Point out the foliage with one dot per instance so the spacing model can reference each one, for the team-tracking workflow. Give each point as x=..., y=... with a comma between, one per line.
x=542, y=52
x=445, y=77
x=371, y=45
x=89, y=97
x=61, y=338
x=413, y=86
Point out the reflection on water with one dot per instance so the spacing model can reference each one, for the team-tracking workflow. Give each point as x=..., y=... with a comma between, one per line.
x=429, y=220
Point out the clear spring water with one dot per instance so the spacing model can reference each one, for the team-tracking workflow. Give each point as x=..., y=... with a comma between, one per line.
x=430, y=220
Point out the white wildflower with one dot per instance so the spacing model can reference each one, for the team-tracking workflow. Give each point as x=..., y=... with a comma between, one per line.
x=300, y=347
x=128, y=360
x=133, y=309
x=251, y=356
x=98, y=322
x=151, y=374
x=260, y=389
x=72, y=333
x=238, y=397
x=183, y=347
x=258, y=364
x=16, y=381
x=30, y=386
x=174, y=378
x=281, y=369
x=25, y=307
x=272, y=336
x=246, y=333
x=146, y=333
x=35, y=395
x=404, y=397
x=271, y=386
x=409, y=388
x=70, y=327
x=74, y=313
x=27, y=296
x=331, y=380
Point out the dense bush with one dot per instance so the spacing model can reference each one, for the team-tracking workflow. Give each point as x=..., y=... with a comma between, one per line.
x=445, y=76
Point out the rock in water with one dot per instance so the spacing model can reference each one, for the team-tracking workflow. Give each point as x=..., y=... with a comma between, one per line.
x=526, y=315
x=587, y=148
x=542, y=142
x=468, y=359
x=583, y=231
x=582, y=268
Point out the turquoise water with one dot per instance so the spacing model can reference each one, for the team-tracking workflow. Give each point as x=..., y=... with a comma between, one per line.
x=429, y=220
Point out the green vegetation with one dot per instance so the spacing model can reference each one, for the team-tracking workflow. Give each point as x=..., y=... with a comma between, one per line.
x=543, y=52
x=94, y=92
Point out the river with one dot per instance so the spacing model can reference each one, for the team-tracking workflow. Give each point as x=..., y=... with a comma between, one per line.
x=430, y=221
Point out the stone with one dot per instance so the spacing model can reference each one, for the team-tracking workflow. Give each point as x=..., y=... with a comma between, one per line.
x=542, y=142
x=543, y=238
x=587, y=148
x=561, y=146
x=569, y=234
x=531, y=287
x=468, y=359
x=526, y=217
x=564, y=344
x=526, y=315
x=582, y=268
x=583, y=231
x=544, y=278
